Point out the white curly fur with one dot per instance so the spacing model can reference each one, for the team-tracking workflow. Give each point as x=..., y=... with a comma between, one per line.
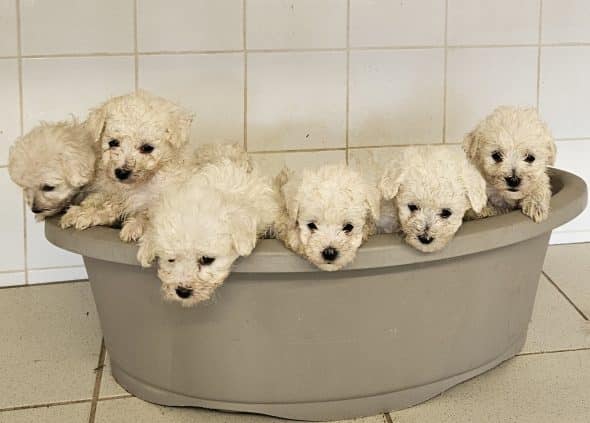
x=513, y=133
x=330, y=198
x=218, y=213
x=430, y=179
x=52, y=163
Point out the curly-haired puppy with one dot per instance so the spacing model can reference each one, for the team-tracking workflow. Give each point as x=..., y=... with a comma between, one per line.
x=326, y=214
x=52, y=163
x=431, y=188
x=142, y=139
x=200, y=228
x=512, y=148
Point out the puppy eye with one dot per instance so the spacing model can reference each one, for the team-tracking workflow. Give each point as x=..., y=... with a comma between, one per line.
x=205, y=261
x=171, y=260
x=412, y=207
x=497, y=156
x=446, y=213
x=529, y=158
x=113, y=143
x=312, y=226
x=348, y=228
x=146, y=149
x=47, y=188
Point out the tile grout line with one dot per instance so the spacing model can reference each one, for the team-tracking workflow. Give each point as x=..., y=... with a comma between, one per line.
x=539, y=52
x=347, y=100
x=43, y=284
x=445, y=66
x=562, y=292
x=135, y=49
x=387, y=417
x=526, y=354
x=48, y=404
x=245, y=87
x=97, y=382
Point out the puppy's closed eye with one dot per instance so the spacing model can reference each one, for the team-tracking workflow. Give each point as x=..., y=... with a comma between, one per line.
x=205, y=261
x=47, y=188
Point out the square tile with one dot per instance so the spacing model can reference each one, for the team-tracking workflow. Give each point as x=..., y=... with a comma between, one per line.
x=70, y=413
x=482, y=22
x=41, y=254
x=8, y=45
x=271, y=164
x=188, y=25
x=480, y=79
x=55, y=88
x=396, y=97
x=375, y=158
x=9, y=106
x=564, y=90
x=50, y=351
x=12, y=249
x=568, y=266
x=296, y=100
x=210, y=85
x=566, y=21
x=385, y=23
x=282, y=24
x=82, y=26
x=555, y=324
x=530, y=389
x=12, y=278
x=60, y=274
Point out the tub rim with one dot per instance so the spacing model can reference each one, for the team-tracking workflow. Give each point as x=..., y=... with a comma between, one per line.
x=270, y=255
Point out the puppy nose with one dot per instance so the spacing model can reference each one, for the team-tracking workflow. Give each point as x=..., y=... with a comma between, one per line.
x=183, y=292
x=36, y=209
x=425, y=239
x=330, y=254
x=122, y=174
x=512, y=181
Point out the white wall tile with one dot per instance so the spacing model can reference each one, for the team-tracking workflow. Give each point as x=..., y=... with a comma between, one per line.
x=12, y=278
x=565, y=89
x=210, y=85
x=9, y=107
x=382, y=23
x=271, y=164
x=76, y=85
x=8, y=28
x=493, y=22
x=41, y=253
x=81, y=26
x=480, y=79
x=281, y=24
x=296, y=100
x=566, y=21
x=12, y=252
x=56, y=275
x=179, y=25
x=396, y=97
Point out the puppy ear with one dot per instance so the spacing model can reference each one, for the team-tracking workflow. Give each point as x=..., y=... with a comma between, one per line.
x=471, y=144
x=475, y=187
x=243, y=233
x=391, y=181
x=78, y=165
x=552, y=150
x=95, y=123
x=373, y=201
x=289, y=188
x=180, y=127
x=146, y=253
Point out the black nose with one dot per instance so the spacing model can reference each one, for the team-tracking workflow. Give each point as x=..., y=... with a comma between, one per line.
x=512, y=181
x=183, y=292
x=122, y=174
x=330, y=254
x=425, y=239
x=36, y=209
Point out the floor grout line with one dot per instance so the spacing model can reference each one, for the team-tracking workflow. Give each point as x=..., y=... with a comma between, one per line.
x=565, y=295
x=97, y=382
x=553, y=351
x=387, y=417
x=48, y=404
x=43, y=284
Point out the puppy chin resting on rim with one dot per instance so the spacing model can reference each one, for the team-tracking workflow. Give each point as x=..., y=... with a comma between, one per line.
x=512, y=149
x=326, y=214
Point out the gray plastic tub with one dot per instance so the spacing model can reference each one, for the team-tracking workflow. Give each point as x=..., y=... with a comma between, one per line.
x=282, y=338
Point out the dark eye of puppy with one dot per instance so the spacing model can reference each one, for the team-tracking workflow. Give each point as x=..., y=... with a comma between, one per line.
x=529, y=158
x=446, y=213
x=47, y=188
x=497, y=156
x=171, y=260
x=412, y=207
x=113, y=143
x=312, y=226
x=146, y=149
x=348, y=228
x=205, y=261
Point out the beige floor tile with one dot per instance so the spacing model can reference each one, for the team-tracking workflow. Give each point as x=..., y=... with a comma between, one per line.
x=109, y=386
x=135, y=410
x=70, y=413
x=555, y=324
x=49, y=345
x=544, y=388
x=569, y=267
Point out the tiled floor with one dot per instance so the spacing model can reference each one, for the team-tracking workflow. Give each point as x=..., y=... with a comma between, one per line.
x=51, y=362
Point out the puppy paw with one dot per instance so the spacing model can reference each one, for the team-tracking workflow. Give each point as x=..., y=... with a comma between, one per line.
x=75, y=217
x=535, y=210
x=131, y=231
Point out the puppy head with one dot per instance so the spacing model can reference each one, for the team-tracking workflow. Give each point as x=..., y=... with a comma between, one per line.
x=51, y=164
x=431, y=191
x=512, y=148
x=332, y=210
x=137, y=134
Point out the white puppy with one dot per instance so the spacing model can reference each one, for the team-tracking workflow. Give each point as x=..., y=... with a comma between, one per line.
x=52, y=163
x=431, y=187
x=512, y=149
x=326, y=214
x=200, y=228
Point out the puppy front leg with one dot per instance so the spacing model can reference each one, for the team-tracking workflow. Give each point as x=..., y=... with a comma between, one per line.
x=133, y=227
x=95, y=210
x=536, y=204
x=486, y=211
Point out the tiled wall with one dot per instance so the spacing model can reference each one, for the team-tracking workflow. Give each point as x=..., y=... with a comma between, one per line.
x=297, y=81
